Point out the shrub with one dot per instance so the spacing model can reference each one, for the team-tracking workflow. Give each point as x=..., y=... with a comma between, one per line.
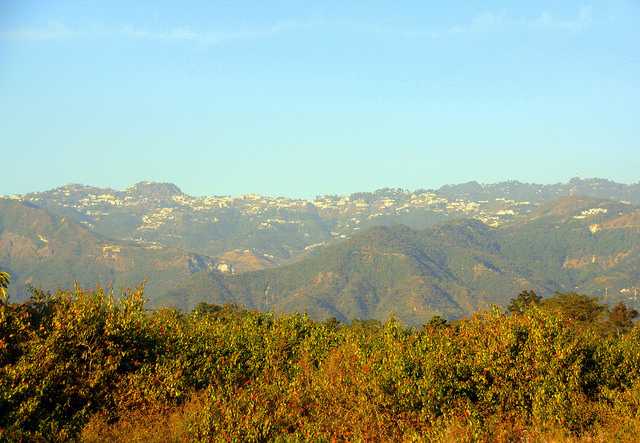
x=85, y=364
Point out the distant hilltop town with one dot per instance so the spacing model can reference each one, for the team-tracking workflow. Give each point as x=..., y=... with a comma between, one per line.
x=274, y=230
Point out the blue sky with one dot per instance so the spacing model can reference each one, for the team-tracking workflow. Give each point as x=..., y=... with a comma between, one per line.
x=304, y=98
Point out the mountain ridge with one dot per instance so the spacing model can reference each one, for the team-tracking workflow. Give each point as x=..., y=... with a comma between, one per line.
x=450, y=270
x=416, y=254
x=278, y=230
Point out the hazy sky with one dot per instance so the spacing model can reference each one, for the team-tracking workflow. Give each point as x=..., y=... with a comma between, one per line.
x=301, y=98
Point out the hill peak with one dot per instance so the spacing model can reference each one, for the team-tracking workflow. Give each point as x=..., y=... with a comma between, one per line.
x=154, y=189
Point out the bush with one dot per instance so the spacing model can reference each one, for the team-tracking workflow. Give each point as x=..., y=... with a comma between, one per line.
x=82, y=364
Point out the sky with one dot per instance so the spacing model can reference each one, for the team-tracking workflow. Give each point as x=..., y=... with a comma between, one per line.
x=317, y=97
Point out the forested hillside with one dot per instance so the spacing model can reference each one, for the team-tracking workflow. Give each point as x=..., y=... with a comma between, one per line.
x=452, y=269
x=45, y=250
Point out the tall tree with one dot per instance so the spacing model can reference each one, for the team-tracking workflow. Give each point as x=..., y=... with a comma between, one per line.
x=523, y=301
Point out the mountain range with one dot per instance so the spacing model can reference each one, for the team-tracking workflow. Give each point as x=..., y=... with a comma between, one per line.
x=413, y=254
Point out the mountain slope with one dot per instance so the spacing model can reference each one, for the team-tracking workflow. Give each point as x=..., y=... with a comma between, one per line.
x=277, y=230
x=576, y=243
x=43, y=249
x=450, y=271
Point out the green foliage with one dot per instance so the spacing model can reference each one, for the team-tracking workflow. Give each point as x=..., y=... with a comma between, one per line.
x=523, y=301
x=5, y=279
x=83, y=364
x=577, y=307
x=437, y=322
x=61, y=355
x=621, y=317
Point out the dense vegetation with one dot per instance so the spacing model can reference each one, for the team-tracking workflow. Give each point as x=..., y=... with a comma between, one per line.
x=81, y=364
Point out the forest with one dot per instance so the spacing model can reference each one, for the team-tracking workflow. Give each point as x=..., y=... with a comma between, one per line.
x=91, y=365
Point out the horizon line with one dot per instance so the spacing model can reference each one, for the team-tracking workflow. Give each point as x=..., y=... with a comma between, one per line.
x=343, y=194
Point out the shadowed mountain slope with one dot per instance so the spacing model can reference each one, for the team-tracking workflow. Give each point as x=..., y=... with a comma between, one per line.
x=450, y=271
x=51, y=251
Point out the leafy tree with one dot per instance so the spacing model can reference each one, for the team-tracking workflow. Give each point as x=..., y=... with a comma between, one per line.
x=5, y=279
x=621, y=317
x=523, y=301
x=89, y=366
x=206, y=308
x=578, y=307
x=366, y=325
x=332, y=323
x=436, y=322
